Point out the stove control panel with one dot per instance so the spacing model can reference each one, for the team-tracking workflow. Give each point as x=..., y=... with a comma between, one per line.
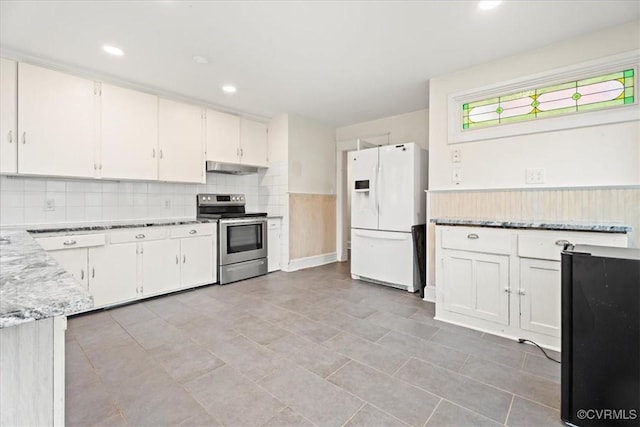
x=221, y=199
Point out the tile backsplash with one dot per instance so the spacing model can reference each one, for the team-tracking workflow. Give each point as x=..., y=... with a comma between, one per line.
x=32, y=200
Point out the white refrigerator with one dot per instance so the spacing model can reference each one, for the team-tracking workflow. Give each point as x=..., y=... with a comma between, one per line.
x=387, y=198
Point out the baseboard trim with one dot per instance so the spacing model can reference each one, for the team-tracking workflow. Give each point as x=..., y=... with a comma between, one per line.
x=430, y=294
x=312, y=261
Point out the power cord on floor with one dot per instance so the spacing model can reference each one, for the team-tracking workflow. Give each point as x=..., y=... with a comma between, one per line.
x=522, y=340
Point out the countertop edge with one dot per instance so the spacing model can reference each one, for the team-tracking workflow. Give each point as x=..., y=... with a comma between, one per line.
x=536, y=225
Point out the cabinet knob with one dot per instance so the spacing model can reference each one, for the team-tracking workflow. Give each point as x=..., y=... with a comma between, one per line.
x=562, y=242
x=472, y=236
x=140, y=236
x=24, y=137
x=153, y=155
x=10, y=136
x=160, y=153
x=193, y=231
x=521, y=292
x=69, y=242
x=184, y=259
x=507, y=290
x=93, y=272
x=82, y=274
x=177, y=259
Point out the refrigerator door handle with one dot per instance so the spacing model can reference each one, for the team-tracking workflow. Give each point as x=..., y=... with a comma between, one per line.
x=385, y=236
x=378, y=174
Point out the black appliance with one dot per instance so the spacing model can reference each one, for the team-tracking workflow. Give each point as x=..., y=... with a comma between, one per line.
x=600, y=336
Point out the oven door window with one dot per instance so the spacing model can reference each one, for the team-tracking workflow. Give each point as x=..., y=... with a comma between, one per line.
x=244, y=238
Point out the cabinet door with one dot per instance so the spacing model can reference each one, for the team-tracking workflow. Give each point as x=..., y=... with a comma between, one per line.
x=8, y=116
x=477, y=285
x=57, y=123
x=197, y=261
x=253, y=143
x=273, y=244
x=129, y=134
x=113, y=274
x=160, y=266
x=540, y=292
x=181, y=142
x=223, y=137
x=74, y=261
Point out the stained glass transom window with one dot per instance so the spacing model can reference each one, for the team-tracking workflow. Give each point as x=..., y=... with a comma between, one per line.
x=594, y=93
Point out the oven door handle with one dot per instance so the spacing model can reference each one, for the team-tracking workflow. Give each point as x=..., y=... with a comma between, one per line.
x=243, y=221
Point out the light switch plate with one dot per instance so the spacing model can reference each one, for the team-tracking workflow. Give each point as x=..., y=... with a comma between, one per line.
x=456, y=175
x=456, y=156
x=50, y=205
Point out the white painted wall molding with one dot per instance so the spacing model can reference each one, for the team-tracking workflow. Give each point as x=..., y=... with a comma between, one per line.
x=312, y=261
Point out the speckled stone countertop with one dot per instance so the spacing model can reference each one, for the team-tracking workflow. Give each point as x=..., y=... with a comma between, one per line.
x=33, y=285
x=110, y=225
x=540, y=225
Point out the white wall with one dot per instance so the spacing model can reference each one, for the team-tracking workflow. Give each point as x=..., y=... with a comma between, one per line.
x=312, y=157
x=594, y=156
x=278, y=139
x=409, y=127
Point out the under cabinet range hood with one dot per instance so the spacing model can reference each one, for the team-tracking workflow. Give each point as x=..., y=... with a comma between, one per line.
x=230, y=168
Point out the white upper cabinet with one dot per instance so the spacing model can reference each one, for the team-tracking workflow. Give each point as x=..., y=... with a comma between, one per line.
x=231, y=139
x=8, y=116
x=253, y=143
x=57, y=123
x=129, y=134
x=223, y=137
x=181, y=142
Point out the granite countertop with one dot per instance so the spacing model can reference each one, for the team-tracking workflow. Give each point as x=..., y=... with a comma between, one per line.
x=33, y=285
x=111, y=225
x=540, y=225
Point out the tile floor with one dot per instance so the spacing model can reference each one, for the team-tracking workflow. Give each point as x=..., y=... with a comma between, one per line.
x=299, y=349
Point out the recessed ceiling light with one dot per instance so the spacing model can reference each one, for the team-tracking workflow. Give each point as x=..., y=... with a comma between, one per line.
x=113, y=50
x=229, y=89
x=489, y=4
x=199, y=59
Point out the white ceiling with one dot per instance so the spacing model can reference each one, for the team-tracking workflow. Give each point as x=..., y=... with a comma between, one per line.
x=336, y=62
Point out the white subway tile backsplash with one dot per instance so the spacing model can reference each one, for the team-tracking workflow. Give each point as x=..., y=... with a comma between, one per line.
x=11, y=216
x=35, y=184
x=75, y=199
x=34, y=199
x=54, y=185
x=93, y=213
x=56, y=216
x=93, y=199
x=110, y=199
x=76, y=186
x=34, y=215
x=109, y=187
x=75, y=214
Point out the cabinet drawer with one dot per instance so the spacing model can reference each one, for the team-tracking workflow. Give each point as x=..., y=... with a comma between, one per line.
x=274, y=224
x=549, y=244
x=138, y=234
x=477, y=239
x=191, y=230
x=71, y=241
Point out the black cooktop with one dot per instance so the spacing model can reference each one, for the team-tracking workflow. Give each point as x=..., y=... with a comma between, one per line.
x=232, y=215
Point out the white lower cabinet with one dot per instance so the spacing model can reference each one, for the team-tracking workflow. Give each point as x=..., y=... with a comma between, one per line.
x=135, y=263
x=506, y=281
x=160, y=266
x=476, y=285
x=274, y=228
x=113, y=274
x=539, y=296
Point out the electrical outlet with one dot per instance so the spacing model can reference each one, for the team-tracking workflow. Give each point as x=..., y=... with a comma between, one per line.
x=535, y=175
x=167, y=204
x=50, y=205
x=456, y=156
x=456, y=175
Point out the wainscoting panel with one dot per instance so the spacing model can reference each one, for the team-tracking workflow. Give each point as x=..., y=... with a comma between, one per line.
x=312, y=225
